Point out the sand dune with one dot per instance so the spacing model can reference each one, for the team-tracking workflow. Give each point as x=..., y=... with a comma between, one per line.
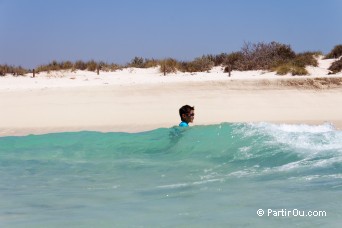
x=134, y=100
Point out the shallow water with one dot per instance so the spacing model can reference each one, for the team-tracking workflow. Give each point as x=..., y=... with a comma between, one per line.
x=202, y=176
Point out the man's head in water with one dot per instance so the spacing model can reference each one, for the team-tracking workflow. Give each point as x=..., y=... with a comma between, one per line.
x=187, y=113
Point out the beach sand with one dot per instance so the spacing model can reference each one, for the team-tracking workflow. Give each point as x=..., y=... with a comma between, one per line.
x=135, y=100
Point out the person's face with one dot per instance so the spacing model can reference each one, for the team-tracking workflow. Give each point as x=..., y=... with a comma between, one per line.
x=189, y=117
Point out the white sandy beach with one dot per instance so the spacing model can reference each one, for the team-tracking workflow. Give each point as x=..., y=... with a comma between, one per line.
x=133, y=100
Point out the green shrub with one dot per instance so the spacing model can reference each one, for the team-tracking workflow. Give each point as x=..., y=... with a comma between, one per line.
x=151, y=63
x=42, y=68
x=137, y=62
x=200, y=64
x=299, y=71
x=55, y=66
x=231, y=60
x=217, y=59
x=67, y=65
x=20, y=71
x=183, y=66
x=336, y=66
x=220, y=59
x=114, y=66
x=335, y=53
x=306, y=59
x=92, y=65
x=80, y=65
x=283, y=69
x=290, y=68
x=109, y=67
x=282, y=51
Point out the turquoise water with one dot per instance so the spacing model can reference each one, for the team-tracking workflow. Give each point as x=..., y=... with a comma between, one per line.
x=202, y=176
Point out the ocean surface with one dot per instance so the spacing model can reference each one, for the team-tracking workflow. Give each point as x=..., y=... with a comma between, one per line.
x=203, y=176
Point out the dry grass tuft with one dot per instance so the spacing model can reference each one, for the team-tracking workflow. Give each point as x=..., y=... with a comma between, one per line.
x=15, y=71
x=78, y=65
x=168, y=66
x=200, y=64
x=290, y=68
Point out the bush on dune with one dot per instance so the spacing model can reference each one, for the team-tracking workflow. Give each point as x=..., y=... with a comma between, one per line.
x=55, y=66
x=263, y=56
x=335, y=53
x=231, y=60
x=306, y=59
x=271, y=56
x=218, y=60
x=78, y=65
x=336, y=66
x=92, y=65
x=15, y=71
x=139, y=62
x=168, y=66
x=290, y=68
x=296, y=66
x=151, y=63
x=200, y=64
x=109, y=67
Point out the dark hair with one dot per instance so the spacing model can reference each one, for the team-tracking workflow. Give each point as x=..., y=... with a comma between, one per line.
x=186, y=109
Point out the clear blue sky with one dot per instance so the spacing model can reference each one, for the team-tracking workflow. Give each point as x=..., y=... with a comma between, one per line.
x=35, y=32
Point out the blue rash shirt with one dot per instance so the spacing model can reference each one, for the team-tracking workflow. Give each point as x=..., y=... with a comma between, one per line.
x=184, y=124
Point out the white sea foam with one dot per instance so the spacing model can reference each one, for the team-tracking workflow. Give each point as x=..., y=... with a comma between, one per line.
x=244, y=173
x=295, y=128
x=311, y=138
x=183, y=185
x=316, y=147
x=319, y=177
